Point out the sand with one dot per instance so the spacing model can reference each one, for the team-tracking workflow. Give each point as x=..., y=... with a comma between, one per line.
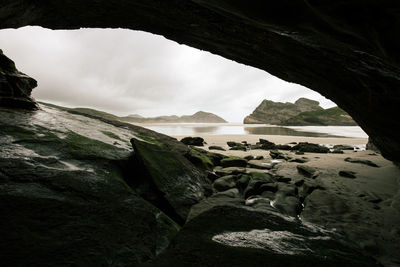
x=366, y=209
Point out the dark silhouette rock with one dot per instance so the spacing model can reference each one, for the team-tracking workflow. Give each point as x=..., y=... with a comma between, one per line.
x=265, y=144
x=216, y=148
x=15, y=86
x=343, y=147
x=193, y=141
x=310, y=147
x=241, y=148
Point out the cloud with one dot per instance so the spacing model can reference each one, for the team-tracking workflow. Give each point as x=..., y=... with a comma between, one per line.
x=125, y=72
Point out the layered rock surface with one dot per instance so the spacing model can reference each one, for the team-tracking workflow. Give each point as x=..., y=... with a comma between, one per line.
x=65, y=196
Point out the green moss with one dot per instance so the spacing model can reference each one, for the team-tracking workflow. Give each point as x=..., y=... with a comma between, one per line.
x=200, y=159
x=150, y=140
x=112, y=135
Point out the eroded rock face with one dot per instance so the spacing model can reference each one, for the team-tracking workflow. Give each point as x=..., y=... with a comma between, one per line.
x=345, y=50
x=15, y=86
x=63, y=197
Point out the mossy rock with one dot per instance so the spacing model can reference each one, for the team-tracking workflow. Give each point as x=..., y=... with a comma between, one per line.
x=233, y=162
x=176, y=179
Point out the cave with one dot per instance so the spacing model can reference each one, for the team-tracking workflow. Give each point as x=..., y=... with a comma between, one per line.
x=346, y=50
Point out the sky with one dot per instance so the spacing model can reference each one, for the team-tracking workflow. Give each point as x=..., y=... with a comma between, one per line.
x=131, y=72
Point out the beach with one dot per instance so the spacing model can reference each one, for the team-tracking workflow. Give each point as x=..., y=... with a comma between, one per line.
x=364, y=208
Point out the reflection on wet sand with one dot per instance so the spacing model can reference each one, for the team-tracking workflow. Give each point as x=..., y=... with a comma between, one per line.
x=283, y=131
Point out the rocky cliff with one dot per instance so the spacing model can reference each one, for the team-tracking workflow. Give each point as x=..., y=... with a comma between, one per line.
x=278, y=113
x=15, y=86
x=327, y=117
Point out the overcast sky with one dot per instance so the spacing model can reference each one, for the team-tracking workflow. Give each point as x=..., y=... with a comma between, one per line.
x=130, y=72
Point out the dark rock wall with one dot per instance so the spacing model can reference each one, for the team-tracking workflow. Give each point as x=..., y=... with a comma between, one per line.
x=346, y=50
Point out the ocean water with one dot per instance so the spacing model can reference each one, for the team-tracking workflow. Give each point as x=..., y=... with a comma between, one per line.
x=174, y=129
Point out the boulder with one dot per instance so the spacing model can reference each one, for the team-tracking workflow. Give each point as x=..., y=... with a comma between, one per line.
x=233, y=162
x=241, y=147
x=232, y=144
x=180, y=183
x=246, y=236
x=259, y=164
x=193, y=141
x=343, y=147
x=230, y=170
x=307, y=171
x=216, y=148
x=362, y=161
x=310, y=147
x=225, y=183
x=299, y=160
x=275, y=154
x=283, y=147
x=255, y=183
x=265, y=144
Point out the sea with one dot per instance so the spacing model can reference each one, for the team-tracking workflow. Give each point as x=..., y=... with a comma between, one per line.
x=191, y=129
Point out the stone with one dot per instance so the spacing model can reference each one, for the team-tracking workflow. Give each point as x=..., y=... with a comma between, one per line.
x=361, y=161
x=271, y=187
x=255, y=183
x=259, y=158
x=230, y=193
x=230, y=170
x=212, y=176
x=249, y=157
x=233, y=144
x=233, y=162
x=216, y=148
x=337, y=151
x=180, y=182
x=307, y=171
x=347, y=174
x=265, y=144
x=310, y=147
x=258, y=164
x=283, y=147
x=283, y=179
x=225, y=183
x=241, y=147
x=299, y=160
x=343, y=147
x=242, y=182
x=275, y=154
x=193, y=141
x=299, y=153
x=199, y=159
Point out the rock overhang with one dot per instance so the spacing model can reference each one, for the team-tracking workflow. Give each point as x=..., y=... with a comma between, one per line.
x=344, y=50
